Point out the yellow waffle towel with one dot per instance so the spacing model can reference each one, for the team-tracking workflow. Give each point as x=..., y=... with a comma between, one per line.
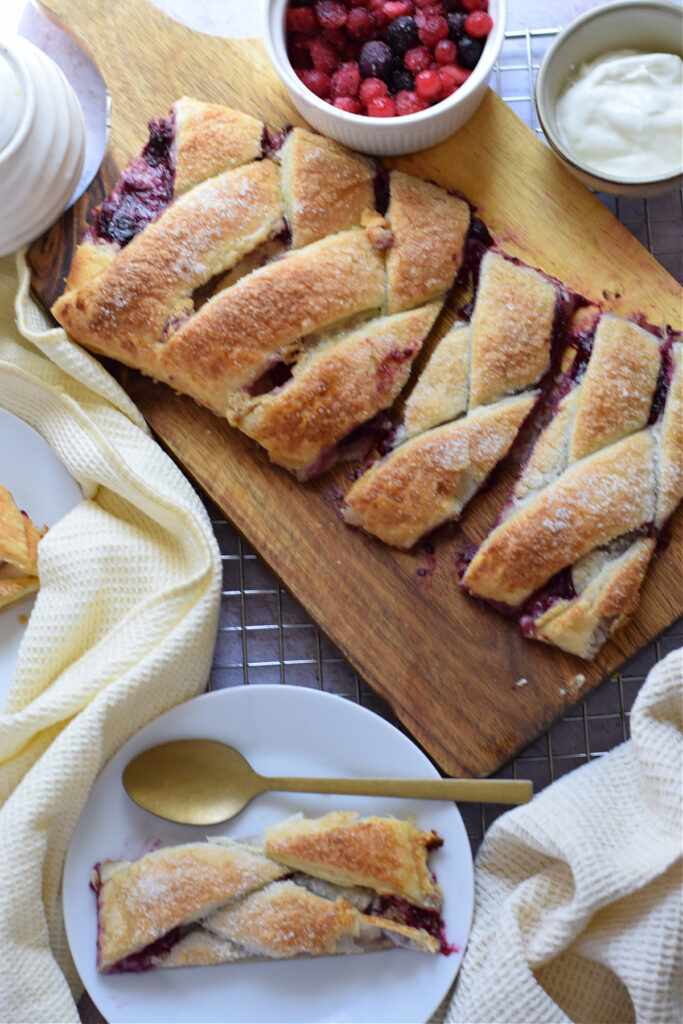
x=123, y=628
x=578, y=894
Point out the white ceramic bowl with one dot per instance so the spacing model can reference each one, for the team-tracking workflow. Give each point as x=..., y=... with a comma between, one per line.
x=389, y=136
x=645, y=25
x=42, y=143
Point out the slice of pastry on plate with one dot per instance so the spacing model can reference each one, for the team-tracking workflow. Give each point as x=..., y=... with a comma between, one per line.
x=316, y=887
x=573, y=543
x=140, y=905
x=18, y=552
x=463, y=415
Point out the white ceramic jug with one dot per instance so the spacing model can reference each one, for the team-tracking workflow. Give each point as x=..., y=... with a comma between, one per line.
x=42, y=143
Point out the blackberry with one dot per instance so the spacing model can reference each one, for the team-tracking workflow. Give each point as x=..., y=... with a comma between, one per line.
x=402, y=34
x=469, y=51
x=375, y=59
x=454, y=5
x=401, y=80
x=456, y=26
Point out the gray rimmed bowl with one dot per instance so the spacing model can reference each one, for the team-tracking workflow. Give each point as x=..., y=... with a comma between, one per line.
x=654, y=26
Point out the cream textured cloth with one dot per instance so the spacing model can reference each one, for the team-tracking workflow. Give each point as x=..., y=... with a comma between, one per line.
x=578, y=894
x=123, y=629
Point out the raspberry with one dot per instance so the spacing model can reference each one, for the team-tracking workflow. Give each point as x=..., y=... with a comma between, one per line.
x=417, y=59
x=352, y=50
x=451, y=78
x=323, y=56
x=434, y=29
x=345, y=81
x=444, y=51
x=478, y=24
x=298, y=51
x=475, y=5
x=360, y=23
x=371, y=88
x=331, y=13
x=428, y=84
x=336, y=37
x=408, y=102
x=301, y=19
x=348, y=104
x=397, y=8
x=317, y=81
x=382, y=106
x=424, y=3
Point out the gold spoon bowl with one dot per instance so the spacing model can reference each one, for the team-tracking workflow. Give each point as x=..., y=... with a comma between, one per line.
x=204, y=782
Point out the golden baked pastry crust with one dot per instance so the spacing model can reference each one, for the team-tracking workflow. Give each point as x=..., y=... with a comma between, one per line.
x=19, y=539
x=211, y=139
x=222, y=900
x=257, y=245
x=384, y=854
x=138, y=903
x=429, y=227
x=428, y=480
x=465, y=410
x=334, y=388
x=326, y=188
x=601, y=481
x=511, y=326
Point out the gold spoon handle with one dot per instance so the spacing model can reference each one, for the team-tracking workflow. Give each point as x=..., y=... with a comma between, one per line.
x=486, y=791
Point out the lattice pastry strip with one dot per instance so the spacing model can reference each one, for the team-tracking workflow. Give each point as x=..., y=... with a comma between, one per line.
x=221, y=285
x=19, y=539
x=467, y=407
x=573, y=544
x=223, y=900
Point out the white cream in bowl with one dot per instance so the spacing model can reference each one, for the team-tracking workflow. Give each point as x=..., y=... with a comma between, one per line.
x=622, y=114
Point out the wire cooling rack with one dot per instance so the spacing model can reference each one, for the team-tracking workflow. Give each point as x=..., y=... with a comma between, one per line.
x=265, y=637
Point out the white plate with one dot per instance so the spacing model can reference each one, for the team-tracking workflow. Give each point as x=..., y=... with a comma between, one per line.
x=41, y=485
x=281, y=730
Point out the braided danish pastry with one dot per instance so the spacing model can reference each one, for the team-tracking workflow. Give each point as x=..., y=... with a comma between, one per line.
x=573, y=543
x=315, y=887
x=467, y=407
x=260, y=278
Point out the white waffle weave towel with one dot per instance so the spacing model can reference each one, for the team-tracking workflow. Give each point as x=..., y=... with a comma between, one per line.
x=578, y=894
x=123, y=629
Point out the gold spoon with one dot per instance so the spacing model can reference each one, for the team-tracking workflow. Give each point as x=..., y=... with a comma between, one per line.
x=204, y=782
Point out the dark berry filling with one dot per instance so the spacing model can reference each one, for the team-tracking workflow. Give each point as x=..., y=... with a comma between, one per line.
x=143, y=960
x=355, y=446
x=663, y=380
x=143, y=191
x=559, y=588
x=272, y=379
x=385, y=58
x=400, y=911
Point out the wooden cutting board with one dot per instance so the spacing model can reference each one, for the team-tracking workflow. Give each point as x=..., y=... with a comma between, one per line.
x=449, y=667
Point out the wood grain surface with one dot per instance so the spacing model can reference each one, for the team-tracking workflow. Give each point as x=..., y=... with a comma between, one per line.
x=449, y=667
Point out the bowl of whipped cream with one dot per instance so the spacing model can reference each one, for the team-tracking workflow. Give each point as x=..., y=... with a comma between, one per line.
x=609, y=97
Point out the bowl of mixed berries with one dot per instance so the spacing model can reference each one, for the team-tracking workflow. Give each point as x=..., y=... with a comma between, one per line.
x=385, y=76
